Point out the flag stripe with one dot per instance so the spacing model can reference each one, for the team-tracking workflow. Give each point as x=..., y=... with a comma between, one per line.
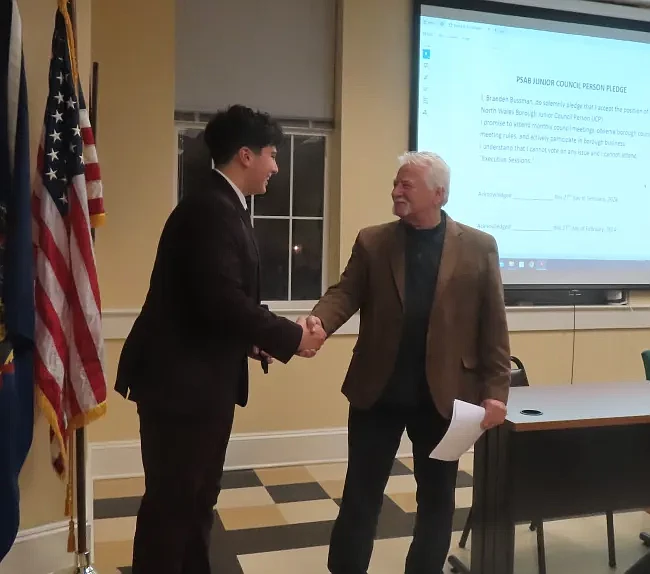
x=80, y=224
x=51, y=340
x=59, y=276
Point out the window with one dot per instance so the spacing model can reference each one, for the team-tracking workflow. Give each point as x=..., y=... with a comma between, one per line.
x=289, y=220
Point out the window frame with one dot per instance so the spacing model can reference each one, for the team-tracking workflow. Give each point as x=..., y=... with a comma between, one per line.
x=286, y=307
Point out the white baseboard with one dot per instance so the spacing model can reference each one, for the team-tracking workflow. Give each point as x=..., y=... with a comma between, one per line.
x=122, y=459
x=40, y=550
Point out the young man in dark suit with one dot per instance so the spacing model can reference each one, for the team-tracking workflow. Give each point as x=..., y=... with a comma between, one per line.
x=185, y=362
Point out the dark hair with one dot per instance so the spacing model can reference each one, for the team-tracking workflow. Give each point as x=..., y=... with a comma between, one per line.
x=237, y=127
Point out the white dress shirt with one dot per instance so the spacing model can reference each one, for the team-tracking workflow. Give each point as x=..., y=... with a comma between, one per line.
x=241, y=196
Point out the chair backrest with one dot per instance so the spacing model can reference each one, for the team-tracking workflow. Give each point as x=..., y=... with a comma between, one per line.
x=645, y=357
x=518, y=376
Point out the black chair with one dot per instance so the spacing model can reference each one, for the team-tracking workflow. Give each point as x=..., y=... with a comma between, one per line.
x=519, y=378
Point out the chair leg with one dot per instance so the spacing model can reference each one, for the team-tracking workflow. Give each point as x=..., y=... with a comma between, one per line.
x=466, y=530
x=611, y=540
x=541, y=547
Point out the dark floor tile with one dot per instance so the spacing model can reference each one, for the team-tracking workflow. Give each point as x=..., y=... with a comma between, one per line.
x=393, y=521
x=125, y=569
x=463, y=480
x=223, y=558
x=400, y=469
x=116, y=507
x=279, y=538
x=297, y=492
x=460, y=517
x=239, y=479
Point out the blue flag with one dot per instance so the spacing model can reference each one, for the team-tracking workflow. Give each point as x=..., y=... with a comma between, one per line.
x=16, y=275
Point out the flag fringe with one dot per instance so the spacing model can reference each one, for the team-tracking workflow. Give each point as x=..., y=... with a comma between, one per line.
x=77, y=422
x=72, y=49
x=48, y=410
x=97, y=220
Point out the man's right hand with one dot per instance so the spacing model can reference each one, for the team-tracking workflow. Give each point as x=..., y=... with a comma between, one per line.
x=313, y=336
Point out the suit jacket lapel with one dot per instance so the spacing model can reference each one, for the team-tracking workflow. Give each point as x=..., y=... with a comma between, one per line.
x=448, y=260
x=245, y=217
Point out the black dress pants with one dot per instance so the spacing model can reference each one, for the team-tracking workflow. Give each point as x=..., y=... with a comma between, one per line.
x=183, y=460
x=373, y=439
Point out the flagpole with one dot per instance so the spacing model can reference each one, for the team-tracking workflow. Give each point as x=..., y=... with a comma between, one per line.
x=84, y=559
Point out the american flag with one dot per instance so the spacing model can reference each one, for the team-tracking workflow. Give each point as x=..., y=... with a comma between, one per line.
x=66, y=200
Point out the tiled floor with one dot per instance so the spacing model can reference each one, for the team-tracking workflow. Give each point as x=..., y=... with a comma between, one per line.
x=279, y=520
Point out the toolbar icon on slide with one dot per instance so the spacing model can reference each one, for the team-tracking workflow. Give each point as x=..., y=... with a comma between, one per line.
x=426, y=54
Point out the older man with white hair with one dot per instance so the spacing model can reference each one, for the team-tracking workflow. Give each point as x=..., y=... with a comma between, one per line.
x=433, y=329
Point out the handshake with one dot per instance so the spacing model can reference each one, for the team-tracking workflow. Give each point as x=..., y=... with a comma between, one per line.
x=313, y=336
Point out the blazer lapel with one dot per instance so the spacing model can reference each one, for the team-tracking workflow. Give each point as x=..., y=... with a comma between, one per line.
x=224, y=186
x=398, y=261
x=449, y=258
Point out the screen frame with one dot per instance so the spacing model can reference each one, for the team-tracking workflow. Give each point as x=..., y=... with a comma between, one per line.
x=515, y=8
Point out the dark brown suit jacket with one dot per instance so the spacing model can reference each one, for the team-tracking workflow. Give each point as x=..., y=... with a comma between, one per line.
x=468, y=352
x=187, y=351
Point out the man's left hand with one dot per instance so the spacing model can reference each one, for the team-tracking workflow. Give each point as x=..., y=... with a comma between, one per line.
x=259, y=355
x=495, y=413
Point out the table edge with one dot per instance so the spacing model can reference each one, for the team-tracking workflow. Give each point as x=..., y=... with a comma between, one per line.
x=534, y=425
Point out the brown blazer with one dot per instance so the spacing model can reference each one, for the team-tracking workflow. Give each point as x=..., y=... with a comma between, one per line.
x=468, y=350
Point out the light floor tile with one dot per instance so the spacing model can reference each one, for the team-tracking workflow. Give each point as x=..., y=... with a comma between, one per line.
x=285, y=475
x=334, y=471
x=309, y=511
x=114, y=529
x=334, y=488
x=301, y=561
x=466, y=463
x=464, y=497
x=251, y=517
x=400, y=484
x=243, y=497
x=109, y=556
x=118, y=488
x=407, y=462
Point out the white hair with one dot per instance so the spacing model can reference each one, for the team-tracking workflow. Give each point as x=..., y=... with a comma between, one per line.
x=439, y=173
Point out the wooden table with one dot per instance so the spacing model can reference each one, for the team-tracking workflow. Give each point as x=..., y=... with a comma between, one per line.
x=564, y=451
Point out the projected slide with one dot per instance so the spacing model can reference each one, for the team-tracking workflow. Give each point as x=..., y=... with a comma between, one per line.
x=547, y=134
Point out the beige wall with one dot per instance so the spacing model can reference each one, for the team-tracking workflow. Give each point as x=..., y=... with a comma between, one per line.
x=372, y=104
x=136, y=145
x=42, y=493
